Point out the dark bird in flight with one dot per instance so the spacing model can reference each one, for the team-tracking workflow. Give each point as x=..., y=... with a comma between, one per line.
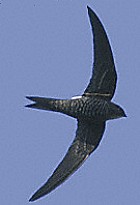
x=92, y=109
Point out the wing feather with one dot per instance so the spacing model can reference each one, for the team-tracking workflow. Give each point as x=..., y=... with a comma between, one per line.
x=104, y=77
x=87, y=139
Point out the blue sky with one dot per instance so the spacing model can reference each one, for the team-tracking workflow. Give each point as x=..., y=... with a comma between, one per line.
x=46, y=50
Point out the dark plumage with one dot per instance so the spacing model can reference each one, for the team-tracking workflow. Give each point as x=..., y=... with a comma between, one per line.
x=91, y=110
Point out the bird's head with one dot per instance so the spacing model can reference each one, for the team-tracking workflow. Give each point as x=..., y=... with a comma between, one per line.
x=116, y=111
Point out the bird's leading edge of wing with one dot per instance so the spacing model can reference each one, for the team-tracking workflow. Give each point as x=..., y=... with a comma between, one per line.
x=104, y=77
x=88, y=136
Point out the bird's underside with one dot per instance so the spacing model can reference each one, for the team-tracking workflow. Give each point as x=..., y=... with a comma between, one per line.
x=91, y=110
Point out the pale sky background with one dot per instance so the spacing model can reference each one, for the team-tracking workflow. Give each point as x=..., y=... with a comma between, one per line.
x=46, y=50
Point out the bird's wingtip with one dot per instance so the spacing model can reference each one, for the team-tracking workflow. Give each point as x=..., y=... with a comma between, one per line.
x=88, y=8
x=37, y=195
x=32, y=199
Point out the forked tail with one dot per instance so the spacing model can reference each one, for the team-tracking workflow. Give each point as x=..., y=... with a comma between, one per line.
x=47, y=104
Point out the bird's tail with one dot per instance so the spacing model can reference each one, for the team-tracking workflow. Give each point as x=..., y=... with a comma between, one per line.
x=52, y=104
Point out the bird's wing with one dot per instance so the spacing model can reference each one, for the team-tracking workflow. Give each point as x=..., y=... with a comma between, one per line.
x=88, y=136
x=104, y=77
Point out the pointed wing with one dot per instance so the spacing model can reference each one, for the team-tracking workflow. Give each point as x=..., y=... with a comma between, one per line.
x=88, y=136
x=104, y=77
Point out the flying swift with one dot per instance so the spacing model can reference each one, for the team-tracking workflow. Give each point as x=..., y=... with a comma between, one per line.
x=92, y=109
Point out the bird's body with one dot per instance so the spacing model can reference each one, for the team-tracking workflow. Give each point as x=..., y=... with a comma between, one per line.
x=92, y=109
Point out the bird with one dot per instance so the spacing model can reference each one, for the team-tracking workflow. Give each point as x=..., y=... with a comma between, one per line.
x=92, y=109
